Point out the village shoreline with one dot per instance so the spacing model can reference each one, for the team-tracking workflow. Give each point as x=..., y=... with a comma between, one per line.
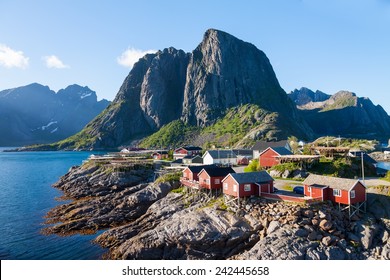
x=146, y=218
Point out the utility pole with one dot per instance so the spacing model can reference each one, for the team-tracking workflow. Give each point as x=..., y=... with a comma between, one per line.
x=362, y=168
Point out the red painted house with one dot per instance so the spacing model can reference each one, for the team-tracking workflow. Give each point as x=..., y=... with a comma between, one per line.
x=339, y=190
x=211, y=177
x=268, y=158
x=248, y=184
x=190, y=173
x=187, y=151
x=160, y=155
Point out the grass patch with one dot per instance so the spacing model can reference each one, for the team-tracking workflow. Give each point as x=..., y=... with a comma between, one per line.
x=169, y=178
x=179, y=190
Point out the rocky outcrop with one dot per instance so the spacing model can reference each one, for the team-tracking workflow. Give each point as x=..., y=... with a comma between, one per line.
x=304, y=96
x=161, y=221
x=360, y=117
x=198, y=88
x=35, y=114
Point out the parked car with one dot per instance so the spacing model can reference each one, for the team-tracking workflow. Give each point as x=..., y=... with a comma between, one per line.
x=298, y=190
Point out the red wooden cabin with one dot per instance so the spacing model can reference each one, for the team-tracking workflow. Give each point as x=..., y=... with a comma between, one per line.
x=247, y=184
x=268, y=157
x=339, y=190
x=186, y=151
x=211, y=177
x=160, y=155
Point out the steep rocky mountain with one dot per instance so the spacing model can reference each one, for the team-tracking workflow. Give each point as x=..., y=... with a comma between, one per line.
x=35, y=114
x=196, y=88
x=304, y=95
x=347, y=115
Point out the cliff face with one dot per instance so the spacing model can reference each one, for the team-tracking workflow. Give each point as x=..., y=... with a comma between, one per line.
x=348, y=115
x=198, y=87
x=225, y=72
x=304, y=95
x=35, y=114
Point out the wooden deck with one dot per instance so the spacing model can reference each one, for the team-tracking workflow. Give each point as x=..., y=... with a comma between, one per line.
x=290, y=198
x=189, y=183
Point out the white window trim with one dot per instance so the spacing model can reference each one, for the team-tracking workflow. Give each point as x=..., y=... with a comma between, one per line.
x=246, y=186
x=235, y=188
x=337, y=192
x=353, y=194
x=217, y=181
x=225, y=186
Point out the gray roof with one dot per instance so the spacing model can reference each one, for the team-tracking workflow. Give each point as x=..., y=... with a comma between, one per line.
x=282, y=151
x=252, y=177
x=262, y=145
x=221, y=154
x=332, y=182
x=243, y=152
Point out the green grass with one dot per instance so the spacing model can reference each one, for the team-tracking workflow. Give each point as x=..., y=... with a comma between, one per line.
x=253, y=166
x=169, y=177
x=173, y=134
x=179, y=190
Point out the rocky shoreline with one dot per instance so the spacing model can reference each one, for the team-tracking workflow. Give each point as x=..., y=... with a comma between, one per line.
x=160, y=220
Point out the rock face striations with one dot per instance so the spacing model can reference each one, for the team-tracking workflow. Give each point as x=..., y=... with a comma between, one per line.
x=342, y=114
x=197, y=88
x=35, y=114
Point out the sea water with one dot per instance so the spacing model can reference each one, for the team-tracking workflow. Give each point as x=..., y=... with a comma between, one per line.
x=26, y=195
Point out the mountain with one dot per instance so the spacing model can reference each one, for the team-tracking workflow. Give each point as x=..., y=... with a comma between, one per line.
x=344, y=114
x=304, y=95
x=196, y=88
x=35, y=114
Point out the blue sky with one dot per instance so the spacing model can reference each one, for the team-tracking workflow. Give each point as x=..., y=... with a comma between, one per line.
x=329, y=45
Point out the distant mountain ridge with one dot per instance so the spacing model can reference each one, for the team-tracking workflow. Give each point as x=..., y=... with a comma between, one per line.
x=342, y=114
x=197, y=88
x=36, y=114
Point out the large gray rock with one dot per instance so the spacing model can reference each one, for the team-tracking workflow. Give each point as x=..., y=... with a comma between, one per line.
x=189, y=234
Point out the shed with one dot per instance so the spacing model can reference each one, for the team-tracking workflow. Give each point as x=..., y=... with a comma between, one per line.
x=160, y=155
x=189, y=160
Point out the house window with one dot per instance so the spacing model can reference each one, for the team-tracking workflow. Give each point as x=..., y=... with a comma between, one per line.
x=217, y=181
x=309, y=189
x=353, y=194
x=208, y=181
x=247, y=187
x=336, y=192
x=235, y=188
x=225, y=186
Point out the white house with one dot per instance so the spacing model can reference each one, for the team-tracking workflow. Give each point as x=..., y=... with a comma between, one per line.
x=225, y=157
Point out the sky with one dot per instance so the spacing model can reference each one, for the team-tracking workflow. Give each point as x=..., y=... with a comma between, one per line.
x=326, y=45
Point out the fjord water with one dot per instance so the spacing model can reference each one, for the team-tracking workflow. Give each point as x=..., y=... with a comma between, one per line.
x=26, y=196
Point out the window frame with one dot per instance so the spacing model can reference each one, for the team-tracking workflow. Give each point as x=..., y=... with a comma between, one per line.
x=353, y=194
x=225, y=186
x=337, y=192
x=245, y=187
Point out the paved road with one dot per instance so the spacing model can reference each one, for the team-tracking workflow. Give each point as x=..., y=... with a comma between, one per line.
x=375, y=181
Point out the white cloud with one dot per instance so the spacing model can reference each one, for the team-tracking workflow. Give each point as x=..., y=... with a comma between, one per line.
x=131, y=56
x=53, y=61
x=11, y=58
